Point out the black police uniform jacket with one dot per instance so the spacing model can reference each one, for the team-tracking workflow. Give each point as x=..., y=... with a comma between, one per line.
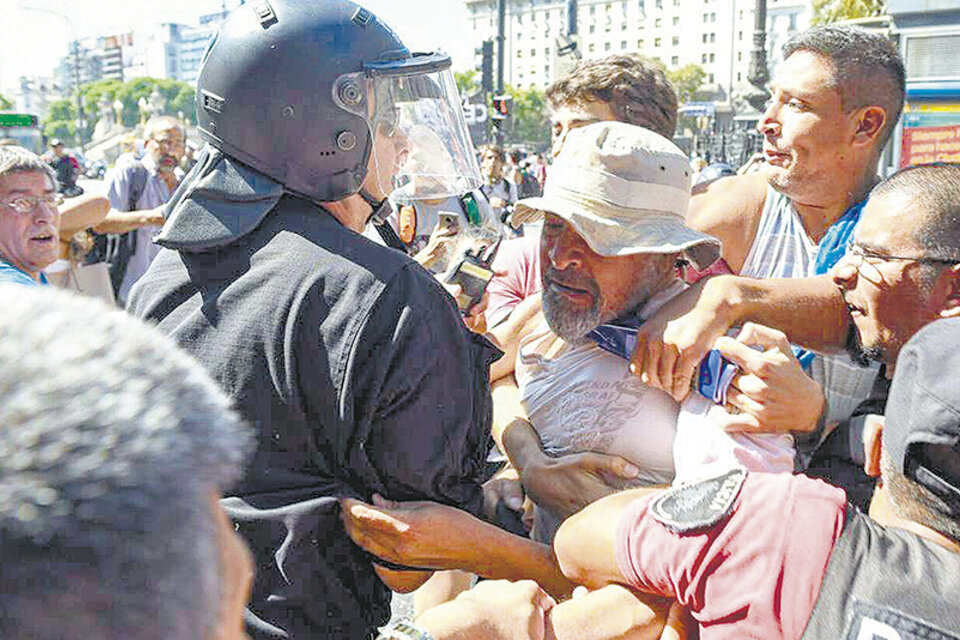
x=884, y=583
x=354, y=368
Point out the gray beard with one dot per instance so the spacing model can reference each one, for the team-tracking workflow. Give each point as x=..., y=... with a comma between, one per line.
x=569, y=323
x=573, y=323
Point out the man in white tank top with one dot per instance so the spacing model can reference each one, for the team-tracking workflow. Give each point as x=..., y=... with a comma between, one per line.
x=835, y=101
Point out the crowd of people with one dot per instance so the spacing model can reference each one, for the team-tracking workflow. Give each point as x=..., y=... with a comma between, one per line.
x=593, y=400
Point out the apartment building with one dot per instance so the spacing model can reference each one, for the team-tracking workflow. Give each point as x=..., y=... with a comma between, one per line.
x=716, y=34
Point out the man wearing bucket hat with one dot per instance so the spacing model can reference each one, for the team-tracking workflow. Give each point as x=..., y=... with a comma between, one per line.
x=782, y=556
x=613, y=236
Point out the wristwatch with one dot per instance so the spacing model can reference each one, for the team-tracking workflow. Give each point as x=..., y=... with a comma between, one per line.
x=403, y=630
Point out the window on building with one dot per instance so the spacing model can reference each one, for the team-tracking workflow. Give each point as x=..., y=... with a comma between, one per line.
x=712, y=58
x=739, y=76
x=593, y=9
x=706, y=16
x=593, y=28
x=519, y=53
x=546, y=51
x=658, y=22
x=659, y=4
x=656, y=43
x=739, y=56
x=710, y=78
x=675, y=41
x=546, y=69
x=609, y=6
x=704, y=38
x=591, y=47
x=676, y=21
x=533, y=52
x=675, y=60
x=623, y=26
x=713, y=37
x=741, y=14
x=519, y=35
x=703, y=59
x=640, y=44
x=713, y=17
x=740, y=35
x=623, y=45
x=676, y=3
x=606, y=46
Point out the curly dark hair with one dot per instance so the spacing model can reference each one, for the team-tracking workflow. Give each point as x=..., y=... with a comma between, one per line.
x=635, y=87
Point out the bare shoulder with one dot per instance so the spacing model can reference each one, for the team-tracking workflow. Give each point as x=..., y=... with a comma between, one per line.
x=730, y=209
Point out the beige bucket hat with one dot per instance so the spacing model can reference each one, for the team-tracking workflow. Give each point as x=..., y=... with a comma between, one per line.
x=625, y=190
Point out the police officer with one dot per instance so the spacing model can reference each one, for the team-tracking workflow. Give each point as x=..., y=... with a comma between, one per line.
x=350, y=361
x=784, y=556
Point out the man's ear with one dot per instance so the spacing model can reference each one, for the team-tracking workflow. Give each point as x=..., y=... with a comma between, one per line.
x=870, y=123
x=872, y=435
x=950, y=308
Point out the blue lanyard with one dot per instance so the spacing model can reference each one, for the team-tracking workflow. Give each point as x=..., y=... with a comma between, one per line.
x=832, y=247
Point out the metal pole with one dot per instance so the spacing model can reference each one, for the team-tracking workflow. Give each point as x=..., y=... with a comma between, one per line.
x=501, y=43
x=757, y=95
x=758, y=57
x=76, y=84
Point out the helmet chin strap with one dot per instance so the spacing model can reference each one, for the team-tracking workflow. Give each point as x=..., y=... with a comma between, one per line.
x=380, y=210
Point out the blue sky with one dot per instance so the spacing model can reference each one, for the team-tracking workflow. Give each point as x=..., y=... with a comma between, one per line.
x=33, y=41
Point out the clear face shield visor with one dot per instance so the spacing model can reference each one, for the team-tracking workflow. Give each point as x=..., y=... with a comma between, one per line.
x=421, y=144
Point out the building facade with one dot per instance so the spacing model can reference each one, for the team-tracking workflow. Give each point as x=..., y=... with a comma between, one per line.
x=715, y=34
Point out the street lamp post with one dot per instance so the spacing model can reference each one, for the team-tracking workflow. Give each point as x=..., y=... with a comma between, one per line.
x=757, y=75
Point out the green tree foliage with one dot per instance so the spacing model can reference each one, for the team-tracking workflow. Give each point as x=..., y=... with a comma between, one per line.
x=528, y=123
x=467, y=82
x=61, y=121
x=5, y=103
x=178, y=98
x=686, y=80
x=826, y=11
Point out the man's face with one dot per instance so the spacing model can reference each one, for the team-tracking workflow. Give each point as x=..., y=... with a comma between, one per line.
x=887, y=299
x=390, y=150
x=236, y=567
x=807, y=137
x=58, y=150
x=574, y=115
x=582, y=289
x=166, y=147
x=491, y=164
x=31, y=240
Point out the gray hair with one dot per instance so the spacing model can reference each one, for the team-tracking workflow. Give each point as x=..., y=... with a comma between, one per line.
x=159, y=123
x=112, y=442
x=15, y=159
x=867, y=68
x=935, y=190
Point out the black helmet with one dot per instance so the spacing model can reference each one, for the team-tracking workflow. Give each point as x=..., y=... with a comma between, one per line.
x=296, y=89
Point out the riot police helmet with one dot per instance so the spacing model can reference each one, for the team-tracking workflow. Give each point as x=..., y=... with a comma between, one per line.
x=321, y=96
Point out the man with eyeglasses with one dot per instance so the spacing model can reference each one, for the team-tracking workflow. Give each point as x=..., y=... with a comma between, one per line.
x=138, y=190
x=29, y=218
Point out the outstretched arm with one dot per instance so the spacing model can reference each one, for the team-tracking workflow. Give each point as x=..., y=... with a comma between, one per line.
x=810, y=311
x=430, y=535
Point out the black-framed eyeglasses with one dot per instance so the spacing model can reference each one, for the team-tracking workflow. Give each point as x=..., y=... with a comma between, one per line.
x=27, y=204
x=865, y=261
